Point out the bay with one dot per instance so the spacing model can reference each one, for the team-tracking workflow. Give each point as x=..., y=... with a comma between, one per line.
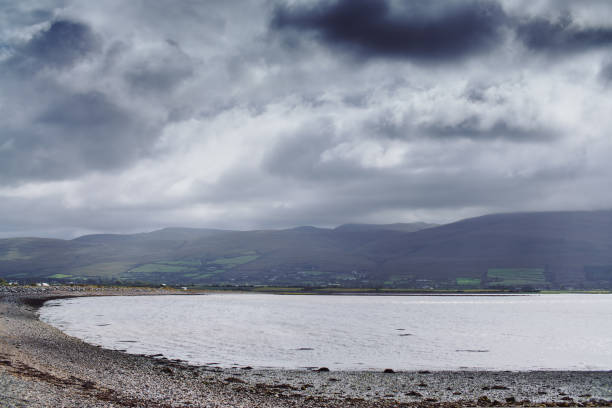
x=535, y=332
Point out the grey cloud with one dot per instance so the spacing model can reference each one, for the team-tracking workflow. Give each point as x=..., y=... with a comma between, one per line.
x=606, y=72
x=362, y=198
x=562, y=35
x=478, y=93
x=339, y=197
x=74, y=135
x=432, y=30
x=49, y=217
x=301, y=155
x=358, y=100
x=22, y=13
x=89, y=97
x=301, y=152
x=57, y=132
x=162, y=71
x=471, y=127
x=61, y=45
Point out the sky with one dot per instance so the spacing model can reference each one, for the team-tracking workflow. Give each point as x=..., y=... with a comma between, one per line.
x=127, y=116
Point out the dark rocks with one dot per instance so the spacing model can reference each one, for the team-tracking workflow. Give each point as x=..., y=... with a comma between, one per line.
x=323, y=369
x=234, y=380
x=388, y=371
x=414, y=394
x=280, y=386
x=495, y=387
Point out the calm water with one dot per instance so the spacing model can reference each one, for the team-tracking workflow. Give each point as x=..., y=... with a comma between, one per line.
x=568, y=332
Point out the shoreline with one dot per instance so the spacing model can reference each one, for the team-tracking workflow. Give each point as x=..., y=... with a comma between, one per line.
x=42, y=366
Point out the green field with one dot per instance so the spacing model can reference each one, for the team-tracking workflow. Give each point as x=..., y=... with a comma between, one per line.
x=13, y=254
x=516, y=277
x=101, y=269
x=160, y=267
x=199, y=275
x=468, y=281
x=184, y=262
x=234, y=261
x=60, y=276
x=277, y=289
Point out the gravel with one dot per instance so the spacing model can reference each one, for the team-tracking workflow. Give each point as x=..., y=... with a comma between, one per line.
x=41, y=367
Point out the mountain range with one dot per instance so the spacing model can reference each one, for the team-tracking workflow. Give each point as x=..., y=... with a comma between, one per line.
x=516, y=250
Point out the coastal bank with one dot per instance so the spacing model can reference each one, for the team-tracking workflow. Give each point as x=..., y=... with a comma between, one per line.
x=41, y=367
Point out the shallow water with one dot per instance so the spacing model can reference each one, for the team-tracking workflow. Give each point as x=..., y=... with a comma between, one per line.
x=566, y=332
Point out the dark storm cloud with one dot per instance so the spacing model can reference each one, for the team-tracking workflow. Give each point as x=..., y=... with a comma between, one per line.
x=434, y=30
x=561, y=35
x=61, y=45
x=59, y=133
x=128, y=116
x=76, y=134
x=429, y=30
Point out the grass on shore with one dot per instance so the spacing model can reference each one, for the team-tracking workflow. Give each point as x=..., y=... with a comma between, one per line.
x=516, y=276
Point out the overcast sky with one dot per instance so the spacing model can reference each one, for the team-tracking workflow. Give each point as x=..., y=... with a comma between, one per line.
x=125, y=116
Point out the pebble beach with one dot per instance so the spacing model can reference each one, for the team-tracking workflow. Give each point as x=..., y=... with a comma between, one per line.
x=42, y=367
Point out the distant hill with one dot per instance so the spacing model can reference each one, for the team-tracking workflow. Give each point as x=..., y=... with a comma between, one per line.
x=402, y=227
x=521, y=250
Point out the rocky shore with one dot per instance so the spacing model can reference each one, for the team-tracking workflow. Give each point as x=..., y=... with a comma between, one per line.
x=42, y=367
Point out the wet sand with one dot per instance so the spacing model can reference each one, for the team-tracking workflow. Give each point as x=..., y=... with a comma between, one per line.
x=41, y=367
